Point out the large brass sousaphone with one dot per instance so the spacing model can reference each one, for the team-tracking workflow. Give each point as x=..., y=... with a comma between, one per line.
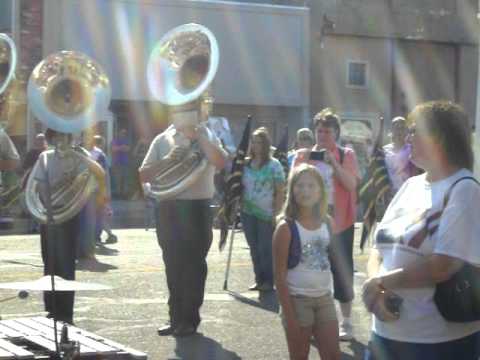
x=180, y=70
x=67, y=92
x=8, y=61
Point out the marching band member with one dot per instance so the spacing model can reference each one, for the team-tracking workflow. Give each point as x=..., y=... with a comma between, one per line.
x=59, y=240
x=184, y=223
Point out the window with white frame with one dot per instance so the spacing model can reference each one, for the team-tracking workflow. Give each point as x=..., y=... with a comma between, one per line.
x=357, y=74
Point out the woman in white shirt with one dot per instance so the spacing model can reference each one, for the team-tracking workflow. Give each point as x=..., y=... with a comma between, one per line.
x=419, y=243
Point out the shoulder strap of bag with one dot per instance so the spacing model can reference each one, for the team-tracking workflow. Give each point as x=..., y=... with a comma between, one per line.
x=449, y=191
x=294, y=248
x=432, y=230
x=328, y=222
x=341, y=151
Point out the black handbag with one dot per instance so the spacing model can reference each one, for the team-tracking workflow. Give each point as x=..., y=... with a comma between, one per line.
x=458, y=298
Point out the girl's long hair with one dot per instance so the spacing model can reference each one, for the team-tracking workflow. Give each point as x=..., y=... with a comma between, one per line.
x=262, y=134
x=290, y=209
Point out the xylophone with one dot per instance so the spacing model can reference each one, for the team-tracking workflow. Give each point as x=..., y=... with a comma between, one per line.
x=33, y=338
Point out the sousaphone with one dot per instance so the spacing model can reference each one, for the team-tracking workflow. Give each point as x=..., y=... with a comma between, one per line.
x=8, y=61
x=180, y=71
x=67, y=92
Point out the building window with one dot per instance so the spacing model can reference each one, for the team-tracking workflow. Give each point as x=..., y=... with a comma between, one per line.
x=357, y=74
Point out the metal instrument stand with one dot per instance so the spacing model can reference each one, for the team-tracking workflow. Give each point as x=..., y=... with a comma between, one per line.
x=51, y=260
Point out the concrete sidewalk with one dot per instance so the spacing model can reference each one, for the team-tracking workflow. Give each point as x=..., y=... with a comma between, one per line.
x=237, y=324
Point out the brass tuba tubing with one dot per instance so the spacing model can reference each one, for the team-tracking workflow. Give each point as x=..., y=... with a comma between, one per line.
x=67, y=92
x=180, y=70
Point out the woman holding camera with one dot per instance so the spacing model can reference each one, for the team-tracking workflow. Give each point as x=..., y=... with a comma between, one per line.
x=421, y=241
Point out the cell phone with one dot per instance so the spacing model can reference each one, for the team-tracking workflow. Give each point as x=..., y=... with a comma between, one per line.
x=317, y=155
x=393, y=303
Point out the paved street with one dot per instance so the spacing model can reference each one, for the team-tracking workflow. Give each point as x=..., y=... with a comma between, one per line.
x=236, y=325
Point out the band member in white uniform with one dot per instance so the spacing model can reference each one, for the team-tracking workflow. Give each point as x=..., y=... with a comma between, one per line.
x=59, y=240
x=184, y=222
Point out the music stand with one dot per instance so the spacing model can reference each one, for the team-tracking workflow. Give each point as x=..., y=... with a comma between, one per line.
x=51, y=260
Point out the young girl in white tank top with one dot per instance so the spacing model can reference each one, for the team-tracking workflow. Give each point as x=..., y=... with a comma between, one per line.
x=302, y=276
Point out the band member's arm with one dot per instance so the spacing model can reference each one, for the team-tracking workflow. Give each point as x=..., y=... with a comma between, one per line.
x=99, y=174
x=8, y=153
x=149, y=170
x=214, y=153
x=102, y=196
x=10, y=164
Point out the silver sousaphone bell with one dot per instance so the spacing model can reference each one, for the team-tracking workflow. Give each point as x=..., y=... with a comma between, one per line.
x=180, y=71
x=67, y=92
x=8, y=61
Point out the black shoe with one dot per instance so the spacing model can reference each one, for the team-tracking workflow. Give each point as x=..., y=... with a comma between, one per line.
x=253, y=287
x=184, y=330
x=112, y=239
x=165, y=330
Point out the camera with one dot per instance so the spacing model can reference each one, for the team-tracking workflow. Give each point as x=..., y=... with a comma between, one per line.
x=393, y=303
x=317, y=155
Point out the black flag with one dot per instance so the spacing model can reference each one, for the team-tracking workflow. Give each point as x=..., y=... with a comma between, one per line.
x=374, y=185
x=281, y=152
x=233, y=189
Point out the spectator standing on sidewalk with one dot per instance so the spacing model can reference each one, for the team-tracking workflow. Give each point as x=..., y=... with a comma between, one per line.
x=263, y=188
x=104, y=213
x=304, y=140
x=398, y=155
x=120, y=162
x=423, y=239
x=339, y=170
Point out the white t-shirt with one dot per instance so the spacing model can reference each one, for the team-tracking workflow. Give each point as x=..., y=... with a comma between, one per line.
x=63, y=169
x=203, y=187
x=400, y=242
x=312, y=276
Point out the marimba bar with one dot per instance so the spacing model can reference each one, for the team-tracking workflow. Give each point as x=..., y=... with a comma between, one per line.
x=33, y=338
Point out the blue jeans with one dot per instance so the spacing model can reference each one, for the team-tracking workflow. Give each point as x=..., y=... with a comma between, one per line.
x=259, y=238
x=467, y=348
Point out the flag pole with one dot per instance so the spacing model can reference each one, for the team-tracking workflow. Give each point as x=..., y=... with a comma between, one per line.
x=230, y=249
